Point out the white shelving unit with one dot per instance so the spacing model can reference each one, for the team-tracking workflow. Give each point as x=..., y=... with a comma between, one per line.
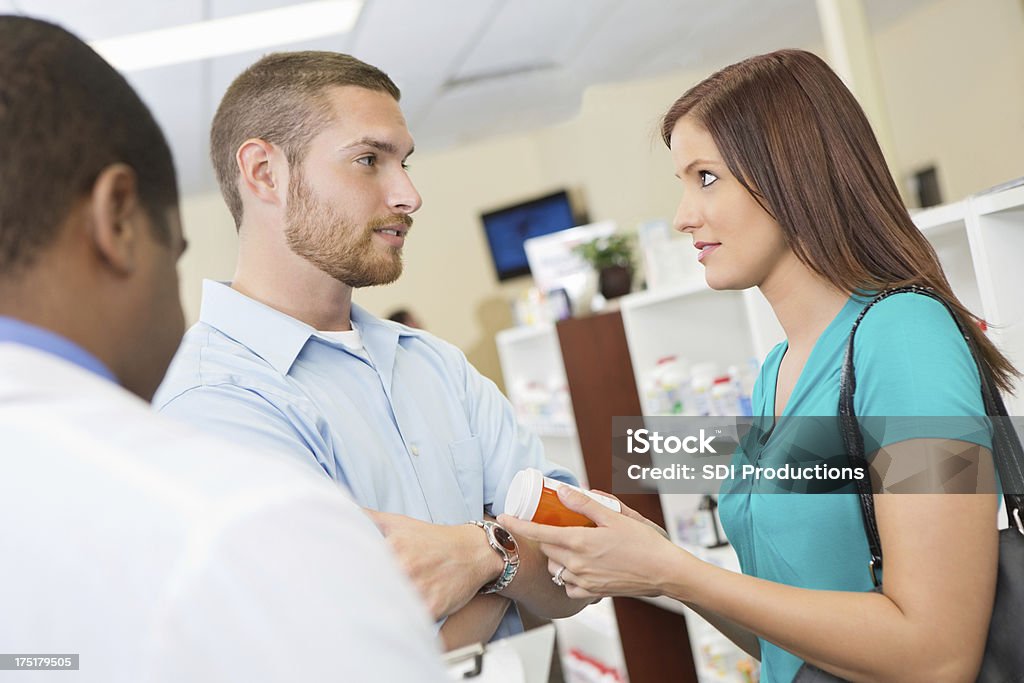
x=697, y=324
x=532, y=355
x=594, y=633
x=717, y=660
x=979, y=241
x=946, y=228
x=995, y=231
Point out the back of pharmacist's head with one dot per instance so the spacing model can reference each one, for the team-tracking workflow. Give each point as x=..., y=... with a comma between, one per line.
x=65, y=116
x=89, y=227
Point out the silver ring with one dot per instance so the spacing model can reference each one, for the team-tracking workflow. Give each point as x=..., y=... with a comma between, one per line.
x=557, y=578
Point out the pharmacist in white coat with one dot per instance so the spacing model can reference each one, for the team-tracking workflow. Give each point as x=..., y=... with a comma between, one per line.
x=135, y=549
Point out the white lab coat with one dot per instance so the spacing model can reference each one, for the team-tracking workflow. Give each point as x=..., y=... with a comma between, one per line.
x=160, y=554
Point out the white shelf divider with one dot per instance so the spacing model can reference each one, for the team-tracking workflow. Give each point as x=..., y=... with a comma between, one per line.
x=996, y=227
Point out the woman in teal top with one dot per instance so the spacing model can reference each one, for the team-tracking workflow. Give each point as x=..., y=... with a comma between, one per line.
x=919, y=366
x=785, y=188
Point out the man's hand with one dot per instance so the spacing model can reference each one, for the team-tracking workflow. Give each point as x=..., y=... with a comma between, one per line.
x=447, y=564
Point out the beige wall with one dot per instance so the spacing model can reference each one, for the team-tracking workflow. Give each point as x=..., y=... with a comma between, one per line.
x=448, y=279
x=953, y=79
x=211, y=247
x=608, y=152
x=953, y=76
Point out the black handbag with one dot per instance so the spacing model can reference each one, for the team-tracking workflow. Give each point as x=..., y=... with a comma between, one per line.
x=1004, y=650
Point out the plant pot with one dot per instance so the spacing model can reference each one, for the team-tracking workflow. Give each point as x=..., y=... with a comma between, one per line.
x=615, y=281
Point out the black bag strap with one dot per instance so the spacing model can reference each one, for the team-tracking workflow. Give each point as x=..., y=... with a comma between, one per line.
x=1006, y=447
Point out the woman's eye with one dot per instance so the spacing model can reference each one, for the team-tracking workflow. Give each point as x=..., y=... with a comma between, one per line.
x=706, y=178
x=405, y=166
x=367, y=161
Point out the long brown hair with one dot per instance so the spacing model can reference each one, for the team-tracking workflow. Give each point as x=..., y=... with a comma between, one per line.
x=796, y=138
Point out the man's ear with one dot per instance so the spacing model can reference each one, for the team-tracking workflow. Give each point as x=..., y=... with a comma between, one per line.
x=115, y=213
x=262, y=176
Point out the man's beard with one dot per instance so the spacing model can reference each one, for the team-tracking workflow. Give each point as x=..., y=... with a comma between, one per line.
x=325, y=238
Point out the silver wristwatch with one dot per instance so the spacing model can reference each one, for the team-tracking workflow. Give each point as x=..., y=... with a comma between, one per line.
x=505, y=545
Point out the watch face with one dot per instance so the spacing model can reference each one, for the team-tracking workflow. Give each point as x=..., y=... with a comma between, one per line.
x=504, y=539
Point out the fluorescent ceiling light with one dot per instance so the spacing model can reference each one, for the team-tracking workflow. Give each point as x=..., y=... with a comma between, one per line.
x=219, y=37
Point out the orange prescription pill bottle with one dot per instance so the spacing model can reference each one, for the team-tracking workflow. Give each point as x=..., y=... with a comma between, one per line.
x=534, y=497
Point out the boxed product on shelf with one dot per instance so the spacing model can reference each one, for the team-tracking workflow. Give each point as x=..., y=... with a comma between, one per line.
x=721, y=661
x=673, y=387
x=542, y=405
x=583, y=668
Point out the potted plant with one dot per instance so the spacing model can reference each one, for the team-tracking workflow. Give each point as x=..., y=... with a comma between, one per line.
x=612, y=258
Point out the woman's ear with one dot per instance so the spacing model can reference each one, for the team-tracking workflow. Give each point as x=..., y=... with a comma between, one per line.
x=114, y=214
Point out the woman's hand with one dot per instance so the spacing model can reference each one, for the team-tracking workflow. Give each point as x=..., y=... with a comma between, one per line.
x=625, y=555
x=633, y=514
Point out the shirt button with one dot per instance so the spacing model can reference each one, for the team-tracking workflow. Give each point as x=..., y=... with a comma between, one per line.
x=415, y=450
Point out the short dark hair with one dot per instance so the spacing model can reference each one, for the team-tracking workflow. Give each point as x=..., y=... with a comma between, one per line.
x=280, y=99
x=400, y=315
x=65, y=115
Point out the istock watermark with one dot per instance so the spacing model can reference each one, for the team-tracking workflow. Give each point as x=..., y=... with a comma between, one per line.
x=645, y=441
x=804, y=455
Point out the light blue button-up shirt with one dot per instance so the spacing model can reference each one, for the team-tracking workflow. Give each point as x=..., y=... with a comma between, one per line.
x=414, y=430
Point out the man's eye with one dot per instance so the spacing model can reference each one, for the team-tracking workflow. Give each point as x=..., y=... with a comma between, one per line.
x=367, y=161
x=706, y=178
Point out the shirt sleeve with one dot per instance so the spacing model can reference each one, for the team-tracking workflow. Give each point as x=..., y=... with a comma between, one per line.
x=915, y=375
x=249, y=418
x=301, y=590
x=507, y=448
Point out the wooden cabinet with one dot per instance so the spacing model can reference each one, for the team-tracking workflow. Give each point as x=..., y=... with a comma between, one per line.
x=599, y=373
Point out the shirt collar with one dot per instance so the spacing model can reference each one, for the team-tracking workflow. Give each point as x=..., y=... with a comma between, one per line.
x=279, y=338
x=381, y=339
x=19, y=332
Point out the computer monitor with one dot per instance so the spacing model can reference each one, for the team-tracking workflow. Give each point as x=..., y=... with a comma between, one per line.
x=507, y=228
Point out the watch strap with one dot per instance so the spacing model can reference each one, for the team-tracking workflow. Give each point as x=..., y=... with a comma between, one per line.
x=509, y=556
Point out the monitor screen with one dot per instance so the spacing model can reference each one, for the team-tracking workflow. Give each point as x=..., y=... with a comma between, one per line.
x=509, y=227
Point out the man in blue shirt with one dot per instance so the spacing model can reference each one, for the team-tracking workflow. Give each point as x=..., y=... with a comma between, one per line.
x=310, y=151
x=130, y=540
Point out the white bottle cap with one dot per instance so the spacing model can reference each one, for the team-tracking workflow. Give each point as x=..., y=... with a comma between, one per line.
x=524, y=494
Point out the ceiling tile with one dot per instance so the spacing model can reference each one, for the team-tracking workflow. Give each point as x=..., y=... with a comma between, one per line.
x=96, y=19
x=423, y=45
x=531, y=32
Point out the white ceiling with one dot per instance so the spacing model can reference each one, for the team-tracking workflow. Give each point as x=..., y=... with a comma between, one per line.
x=467, y=68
